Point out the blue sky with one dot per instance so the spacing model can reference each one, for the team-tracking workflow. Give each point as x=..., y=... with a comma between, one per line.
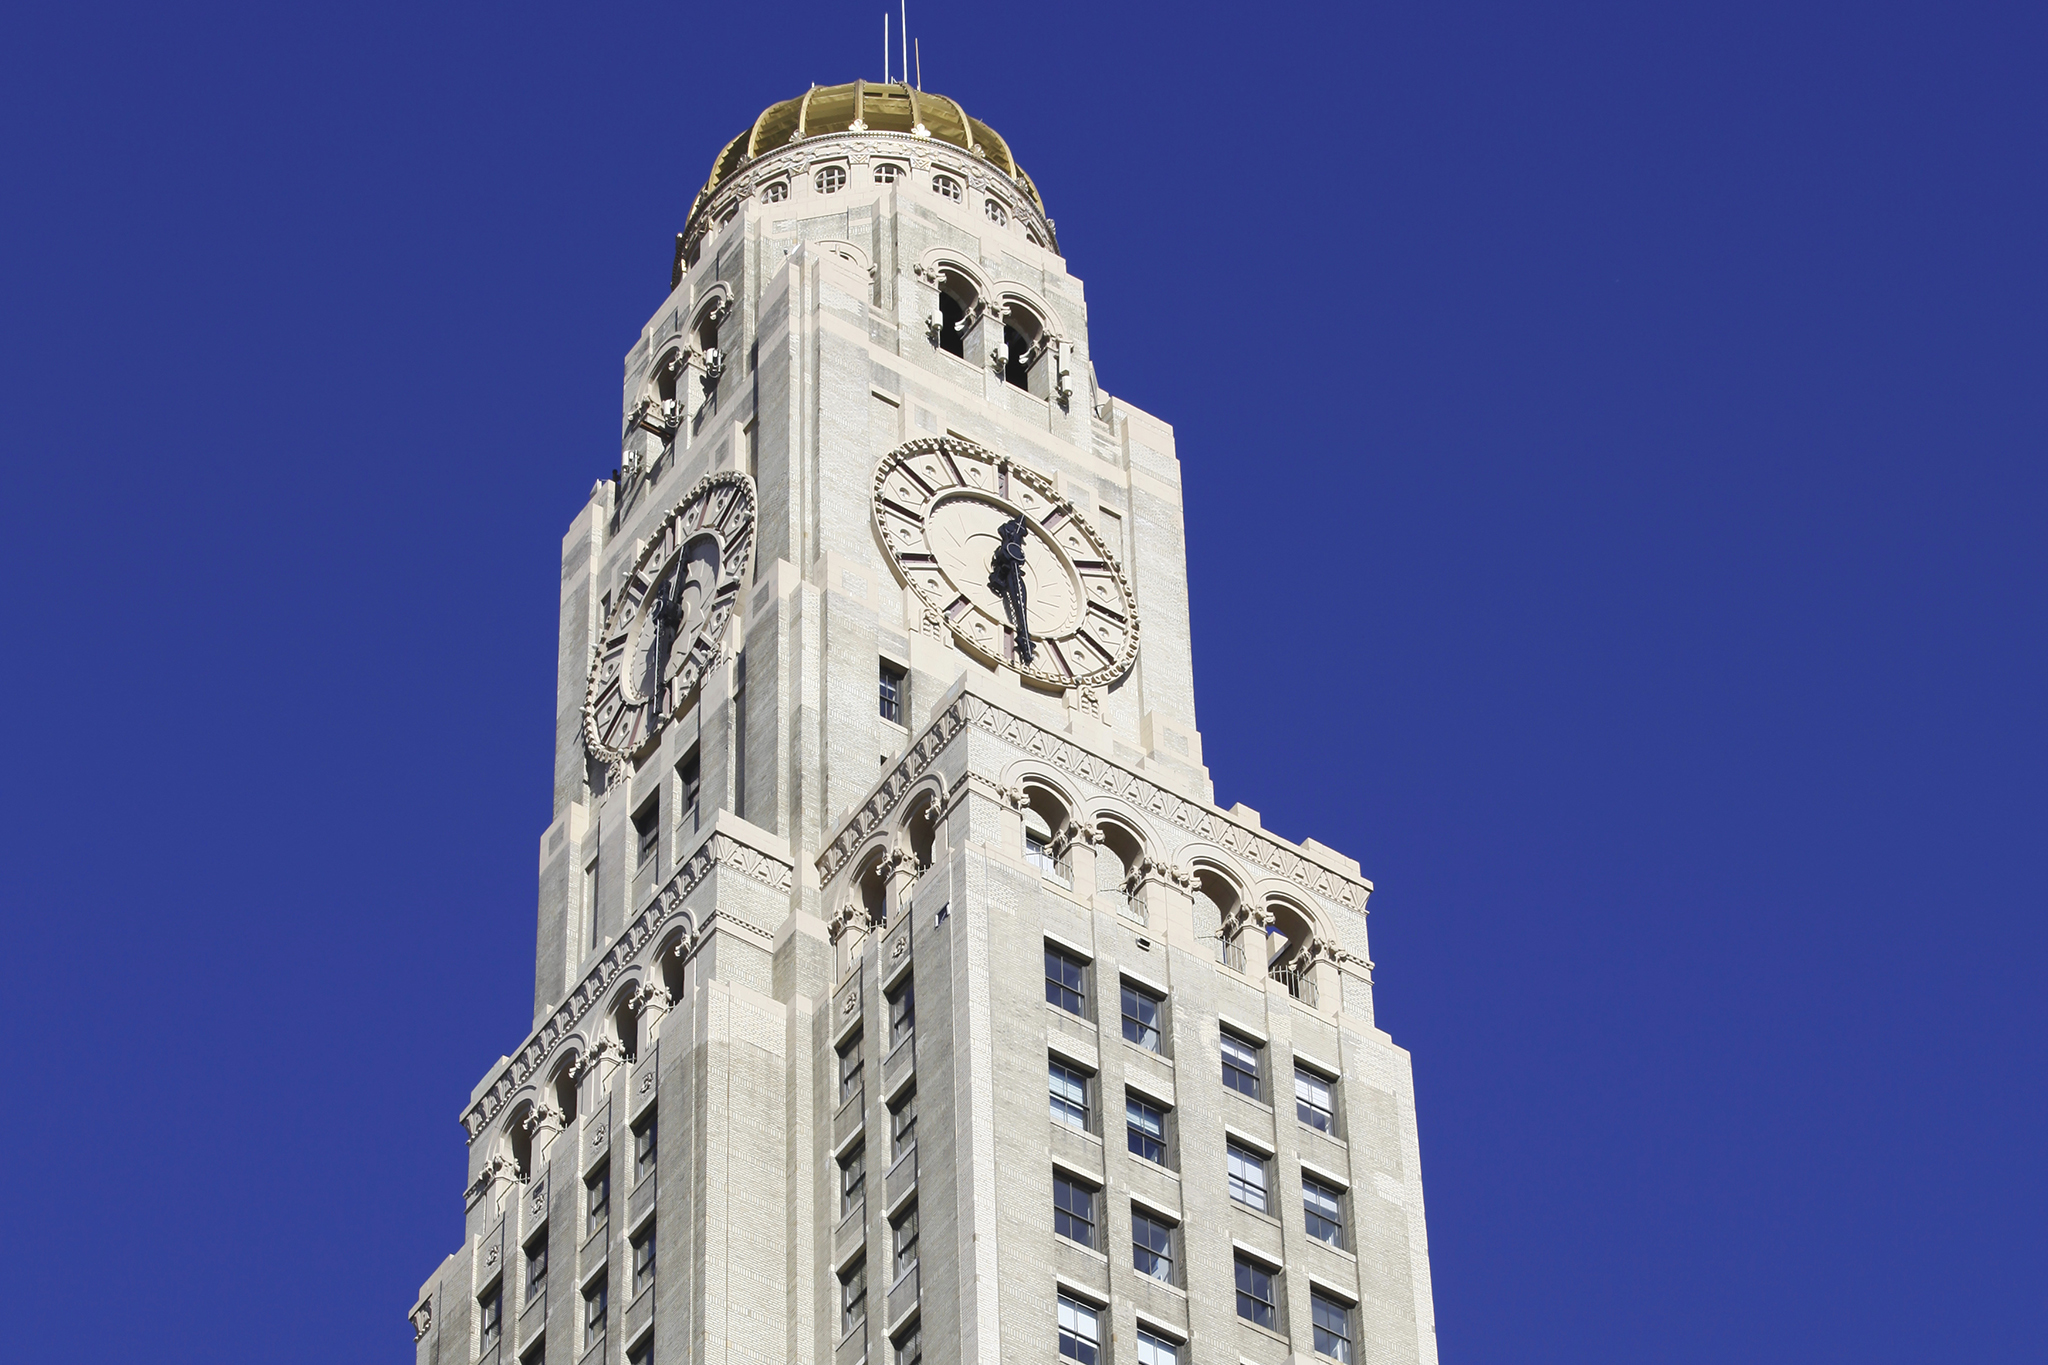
x=1642, y=577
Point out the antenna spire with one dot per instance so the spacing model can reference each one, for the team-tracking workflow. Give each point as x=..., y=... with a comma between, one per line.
x=918, y=48
x=904, y=14
x=885, y=47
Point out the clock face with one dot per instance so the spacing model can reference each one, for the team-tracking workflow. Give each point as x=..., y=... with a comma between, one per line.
x=940, y=509
x=667, y=622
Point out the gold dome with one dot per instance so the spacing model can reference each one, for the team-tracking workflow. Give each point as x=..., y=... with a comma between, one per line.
x=864, y=107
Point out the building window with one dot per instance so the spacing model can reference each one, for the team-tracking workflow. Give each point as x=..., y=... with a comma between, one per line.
x=851, y=1068
x=1241, y=1066
x=537, y=1267
x=596, y=1301
x=536, y=1354
x=597, y=1199
x=1069, y=1095
x=590, y=902
x=644, y=1148
x=1073, y=1210
x=853, y=1176
x=1247, y=1176
x=490, y=1318
x=643, y=1354
x=775, y=193
x=853, y=1299
x=902, y=1015
x=952, y=324
x=910, y=1347
x=1322, y=1208
x=830, y=180
x=1313, y=1102
x=903, y=1127
x=1332, y=1327
x=1152, y=1246
x=1141, y=1017
x=1038, y=847
x=1080, y=1335
x=647, y=830
x=894, y=693
x=887, y=172
x=689, y=790
x=643, y=1260
x=1156, y=1350
x=1146, y=1123
x=996, y=213
x=1065, y=981
x=904, y=1235
x=947, y=186
x=1256, y=1295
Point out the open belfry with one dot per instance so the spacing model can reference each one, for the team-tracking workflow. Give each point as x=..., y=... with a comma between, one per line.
x=900, y=993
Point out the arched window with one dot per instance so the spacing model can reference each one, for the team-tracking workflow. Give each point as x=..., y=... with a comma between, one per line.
x=776, y=192
x=1215, y=902
x=565, y=1091
x=1116, y=857
x=519, y=1141
x=997, y=214
x=874, y=890
x=830, y=180
x=947, y=186
x=1045, y=816
x=887, y=172
x=1024, y=347
x=626, y=1025
x=923, y=830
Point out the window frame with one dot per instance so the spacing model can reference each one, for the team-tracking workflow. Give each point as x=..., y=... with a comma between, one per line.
x=1135, y=1134
x=1320, y=1303
x=1130, y=990
x=853, y=1067
x=1141, y=1248
x=1067, y=1191
x=894, y=690
x=1057, y=988
x=1087, y=1348
x=1247, y=1268
x=853, y=1298
x=1155, y=1342
x=1304, y=1106
x=948, y=186
x=1063, y=1104
x=1335, y=1195
x=536, y=1265
x=1236, y=1155
x=905, y=1223
x=646, y=1147
x=490, y=1317
x=597, y=1298
x=902, y=1013
x=820, y=177
x=597, y=1199
x=647, y=831
x=853, y=1181
x=902, y=1125
x=1258, y=1065
x=643, y=1259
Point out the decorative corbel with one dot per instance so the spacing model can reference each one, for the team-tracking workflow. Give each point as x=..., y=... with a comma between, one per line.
x=544, y=1120
x=422, y=1317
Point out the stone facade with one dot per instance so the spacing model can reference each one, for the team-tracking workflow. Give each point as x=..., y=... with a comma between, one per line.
x=729, y=915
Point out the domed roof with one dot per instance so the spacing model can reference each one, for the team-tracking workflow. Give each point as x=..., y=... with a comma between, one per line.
x=865, y=107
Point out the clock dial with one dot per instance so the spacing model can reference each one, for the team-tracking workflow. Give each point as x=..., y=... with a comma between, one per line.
x=668, y=619
x=940, y=507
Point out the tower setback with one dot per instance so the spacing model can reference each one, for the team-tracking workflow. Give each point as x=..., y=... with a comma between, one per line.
x=900, y=993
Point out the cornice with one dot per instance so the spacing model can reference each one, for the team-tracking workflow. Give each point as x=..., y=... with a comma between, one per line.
x=721, y=849
x=1200, y=820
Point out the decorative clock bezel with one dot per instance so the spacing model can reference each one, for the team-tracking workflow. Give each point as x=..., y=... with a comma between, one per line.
x=1012, y=486
x=732, y=525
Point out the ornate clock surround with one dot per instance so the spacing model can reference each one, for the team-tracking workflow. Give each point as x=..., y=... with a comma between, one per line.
x=686, y=576
x=937, y=499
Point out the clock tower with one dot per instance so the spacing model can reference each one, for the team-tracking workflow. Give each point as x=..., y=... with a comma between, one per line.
x=900, y=993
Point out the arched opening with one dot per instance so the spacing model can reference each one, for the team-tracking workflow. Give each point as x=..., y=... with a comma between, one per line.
x=519, y=1141
x=952, y=320
x=1117, y=856
x=923, y=832
x=565, y=1090
x=1216, y=903
x=673, y=968
x=1045, y=816
x=1023, y=347
x=1289, y=932
x=626, y=1026
x=873, y=889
